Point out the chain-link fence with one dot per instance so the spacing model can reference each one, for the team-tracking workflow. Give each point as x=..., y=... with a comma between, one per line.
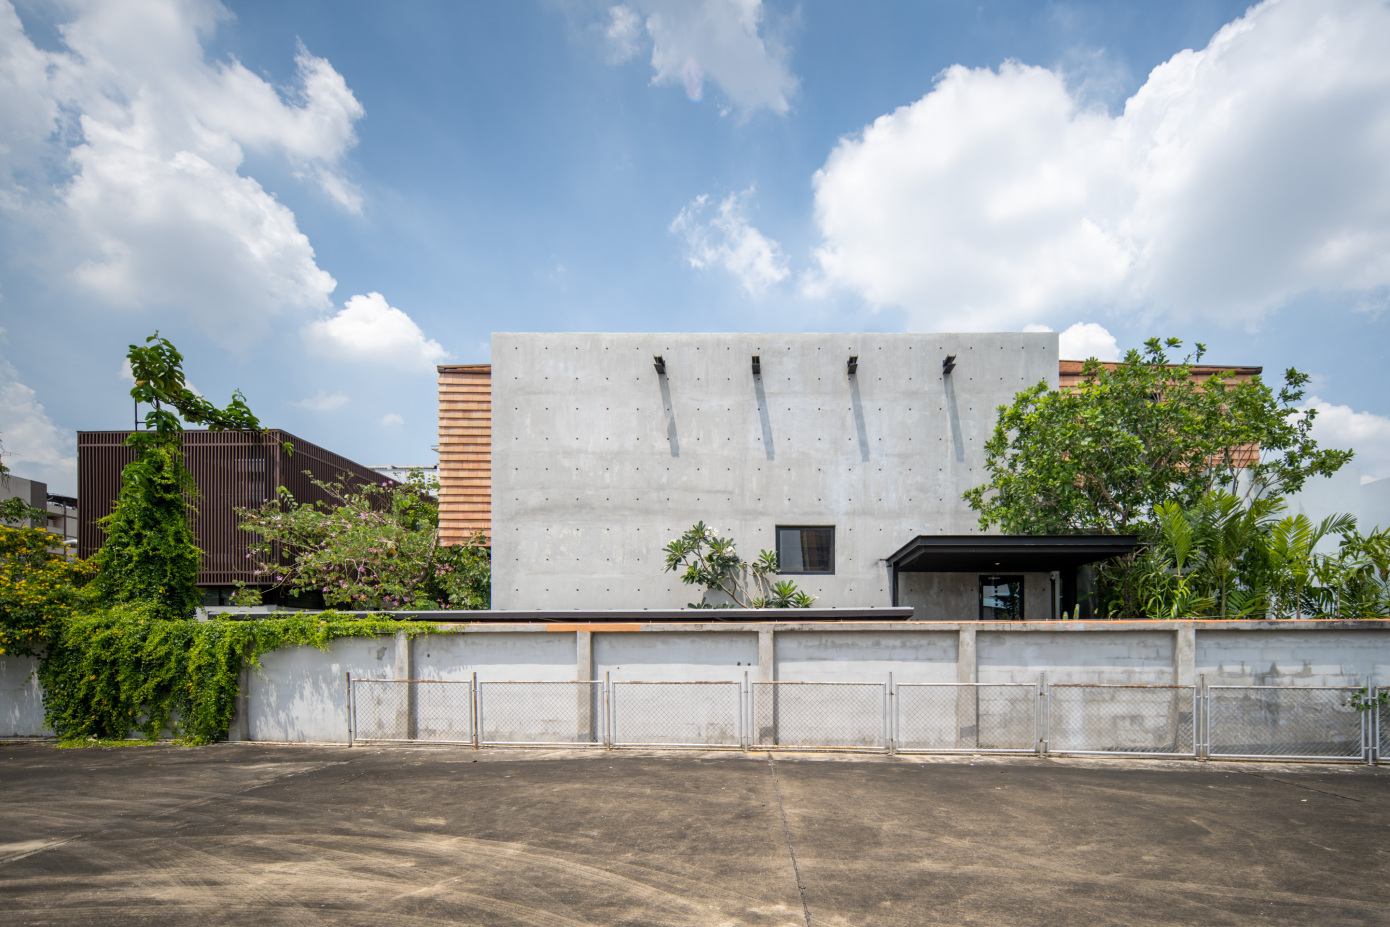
x=1315, y=723
x=425, y=710
x=1153, y=720
x=553, y=713
x=820, y=715
x=675, y=714
x=966, y=717
x=1224, y=721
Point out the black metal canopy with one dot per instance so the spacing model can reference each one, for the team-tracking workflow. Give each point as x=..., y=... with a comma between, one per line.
x=1023, y=553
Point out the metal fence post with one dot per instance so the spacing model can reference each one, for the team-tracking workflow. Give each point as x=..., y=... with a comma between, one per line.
x=1202, y=719
x=1368, y=732
x=473, y=712
x=745, y=722
x=1376, y=733
x=890, y=706
x=350, y=724
x=608, y=736
x=1042, y=720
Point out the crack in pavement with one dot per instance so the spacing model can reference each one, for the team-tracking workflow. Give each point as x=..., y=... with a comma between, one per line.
x=787, y=836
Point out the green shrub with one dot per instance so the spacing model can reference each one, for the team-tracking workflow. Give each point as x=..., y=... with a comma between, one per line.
x=127, y=669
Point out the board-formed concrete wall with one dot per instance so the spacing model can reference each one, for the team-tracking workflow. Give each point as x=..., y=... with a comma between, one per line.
x=598, y=461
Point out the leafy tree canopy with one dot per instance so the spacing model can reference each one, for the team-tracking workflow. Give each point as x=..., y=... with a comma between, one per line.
x=369, y=547
x=1102, y=456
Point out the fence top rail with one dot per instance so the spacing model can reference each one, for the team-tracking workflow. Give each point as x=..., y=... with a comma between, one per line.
x=455, y=682
x=812, y=682
x=965, y=685
x=1352, y=688
x=1117, y=685
x=677, y=682
x=533, y=682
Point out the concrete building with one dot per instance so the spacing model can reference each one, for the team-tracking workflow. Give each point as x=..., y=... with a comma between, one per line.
x=61, y=511
x=33, y=493
x=847, y=454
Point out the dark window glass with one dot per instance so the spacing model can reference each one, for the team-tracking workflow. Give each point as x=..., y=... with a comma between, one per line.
x=805, y=550
x=1001, y=597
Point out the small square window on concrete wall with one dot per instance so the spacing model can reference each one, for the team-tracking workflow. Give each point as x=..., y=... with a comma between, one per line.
x=805, y=549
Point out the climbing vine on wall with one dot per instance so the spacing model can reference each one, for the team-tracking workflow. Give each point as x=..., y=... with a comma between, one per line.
x=125, y=669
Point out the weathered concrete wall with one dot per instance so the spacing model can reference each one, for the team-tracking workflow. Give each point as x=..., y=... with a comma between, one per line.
x=597, y=461
x=839, y=656
x=300, y=693
x=676, y=655
x=1293, y=658
x=1097, y=656
x=21, y=698
x=533, y=657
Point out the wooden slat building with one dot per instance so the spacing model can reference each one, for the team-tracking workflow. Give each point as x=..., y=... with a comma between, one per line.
x=465, y=452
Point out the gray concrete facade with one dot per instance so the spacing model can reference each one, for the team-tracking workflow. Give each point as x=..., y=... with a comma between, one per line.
x=598, y=460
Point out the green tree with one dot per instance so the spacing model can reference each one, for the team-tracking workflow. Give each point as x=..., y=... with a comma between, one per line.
x=1224, y=557
x=149, y=554
x=1102, y=456
x=369, y=547
x=38, y=586
x=703, y=558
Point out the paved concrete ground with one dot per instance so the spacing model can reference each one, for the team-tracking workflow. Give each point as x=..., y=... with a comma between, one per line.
x=247, y=834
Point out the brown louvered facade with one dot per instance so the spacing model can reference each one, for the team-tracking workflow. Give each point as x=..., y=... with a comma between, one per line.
x=231, y=469
x=465, y=452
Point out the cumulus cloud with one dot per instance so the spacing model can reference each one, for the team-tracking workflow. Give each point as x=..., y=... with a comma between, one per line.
x=695, y=41
x=392, y=420
x=720, y=236
x=34, y=446
x=154, y=210
x=1365, y=433
x=370, y=329
x=323, y=401
x=1237, y=177
x=1086, y=340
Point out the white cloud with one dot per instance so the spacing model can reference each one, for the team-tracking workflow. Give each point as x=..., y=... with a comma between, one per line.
x=694, y=41
x=624, y=34
x=155, y=211
x=322, y=401
x=1237, y=177
x=369, y=329
x=725, y=239
x=34, y=447
x=1085, y=340
x=1365, y=433
x=392, y=420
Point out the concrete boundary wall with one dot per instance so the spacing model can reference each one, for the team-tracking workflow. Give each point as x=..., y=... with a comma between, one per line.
x=299, y=694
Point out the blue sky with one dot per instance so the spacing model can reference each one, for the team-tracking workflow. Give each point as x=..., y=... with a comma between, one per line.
x=319, y=201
